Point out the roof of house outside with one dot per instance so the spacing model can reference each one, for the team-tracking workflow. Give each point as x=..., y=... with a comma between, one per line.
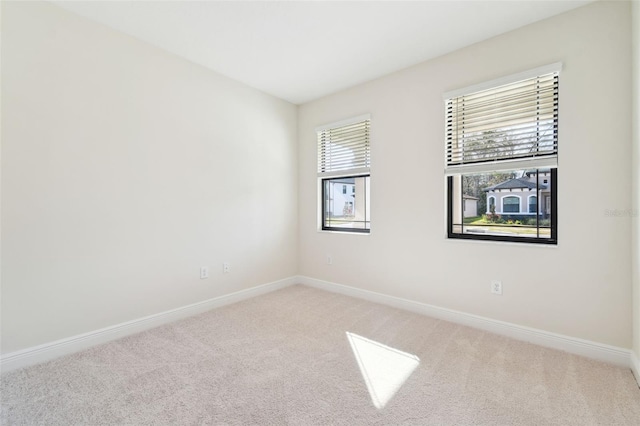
x=516, y=183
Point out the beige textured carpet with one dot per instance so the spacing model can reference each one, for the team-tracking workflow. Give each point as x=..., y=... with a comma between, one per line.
x=300, y=356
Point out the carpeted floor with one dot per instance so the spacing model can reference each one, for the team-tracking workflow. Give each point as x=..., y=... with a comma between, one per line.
x=300, y=356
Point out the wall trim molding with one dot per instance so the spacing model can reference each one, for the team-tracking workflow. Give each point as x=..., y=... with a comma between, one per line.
x=599, y=351
x=635, y=366
x=48, y=351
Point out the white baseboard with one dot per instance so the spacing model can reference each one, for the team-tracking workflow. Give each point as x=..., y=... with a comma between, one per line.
x=48, y=351
x=635, y=367
x=599, y=351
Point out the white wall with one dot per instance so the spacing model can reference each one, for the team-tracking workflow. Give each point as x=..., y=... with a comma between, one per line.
x=124, y=169
x=635, y=165
x=582, y=287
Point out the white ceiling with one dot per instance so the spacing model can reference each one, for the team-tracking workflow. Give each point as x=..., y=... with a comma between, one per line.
x=300, y=51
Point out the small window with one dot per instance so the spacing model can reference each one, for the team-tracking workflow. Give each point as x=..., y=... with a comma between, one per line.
x=492, y=205
x=343, y=163
x=502, y=150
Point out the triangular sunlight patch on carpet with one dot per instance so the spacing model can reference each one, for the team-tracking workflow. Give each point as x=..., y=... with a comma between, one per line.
x=383, y=368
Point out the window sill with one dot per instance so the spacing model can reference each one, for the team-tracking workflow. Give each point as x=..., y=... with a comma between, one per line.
x=327, y=231
x=522, y=244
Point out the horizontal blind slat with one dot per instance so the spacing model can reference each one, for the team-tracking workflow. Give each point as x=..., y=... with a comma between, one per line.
x=549, y=161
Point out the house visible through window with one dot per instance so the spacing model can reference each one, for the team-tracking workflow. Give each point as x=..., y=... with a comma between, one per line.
x=343, y=172
x=501, y=158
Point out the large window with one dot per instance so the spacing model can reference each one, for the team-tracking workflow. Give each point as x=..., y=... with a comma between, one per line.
x=343, y=172
x=511, y=204
x=501, y=151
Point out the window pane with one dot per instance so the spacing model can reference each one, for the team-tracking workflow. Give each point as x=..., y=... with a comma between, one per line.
x=511, y=205
x=502, y=204
x=346, y=203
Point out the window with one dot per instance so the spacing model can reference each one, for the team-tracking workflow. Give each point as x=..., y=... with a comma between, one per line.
x=502, y=149
x=511, y=205
x=343, y=162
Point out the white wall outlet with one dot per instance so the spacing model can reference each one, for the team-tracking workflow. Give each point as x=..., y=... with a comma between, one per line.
x=329, y=260
x=204, y=272
x=226, y=268
x=496, y=287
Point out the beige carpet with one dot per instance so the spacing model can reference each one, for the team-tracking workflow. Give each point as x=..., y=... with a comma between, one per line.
x=300, y=356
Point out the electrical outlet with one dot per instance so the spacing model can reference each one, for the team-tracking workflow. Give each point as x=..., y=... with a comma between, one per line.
x=204, y=272
x=226, y=268
x=329, y=260
x=496, y=287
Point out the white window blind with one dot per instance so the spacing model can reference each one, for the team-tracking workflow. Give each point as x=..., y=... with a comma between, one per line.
x=507, y=126
x=344, y=149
